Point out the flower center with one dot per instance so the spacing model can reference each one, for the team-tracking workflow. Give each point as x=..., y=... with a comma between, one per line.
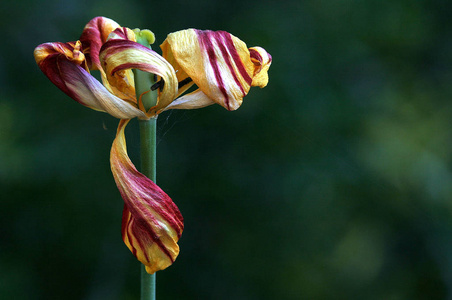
x=77, y=55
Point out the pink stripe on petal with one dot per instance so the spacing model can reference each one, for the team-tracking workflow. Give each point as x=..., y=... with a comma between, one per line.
x=235, y=55
x=207, y=46
x=256, y=55
x=227, y=59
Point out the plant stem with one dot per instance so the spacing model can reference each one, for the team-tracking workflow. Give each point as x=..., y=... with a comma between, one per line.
x=148, y=128
x=148, y=168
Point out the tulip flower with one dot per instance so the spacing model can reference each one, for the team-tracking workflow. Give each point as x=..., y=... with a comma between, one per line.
x=152, y=224
x=219, y=64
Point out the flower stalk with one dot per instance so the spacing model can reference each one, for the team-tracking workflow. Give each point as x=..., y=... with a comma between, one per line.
x=144, y=80
x=148, y=146
x=148, y=168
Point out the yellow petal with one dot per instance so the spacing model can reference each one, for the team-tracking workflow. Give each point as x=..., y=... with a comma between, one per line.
x=185, y=82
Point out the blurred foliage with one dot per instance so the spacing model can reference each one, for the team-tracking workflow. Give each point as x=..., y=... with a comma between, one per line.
x=334, y=182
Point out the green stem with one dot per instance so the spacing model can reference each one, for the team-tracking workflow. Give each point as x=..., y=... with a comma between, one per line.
x=148, y=168
x=148, y=130
x=143, y=82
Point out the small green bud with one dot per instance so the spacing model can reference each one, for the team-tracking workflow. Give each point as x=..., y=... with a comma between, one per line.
x=145, y=37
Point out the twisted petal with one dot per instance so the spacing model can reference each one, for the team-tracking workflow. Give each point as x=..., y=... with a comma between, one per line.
x=118, y=55
x=218, y=63
x=64, y=65
x=152, y=223
x=94, y=35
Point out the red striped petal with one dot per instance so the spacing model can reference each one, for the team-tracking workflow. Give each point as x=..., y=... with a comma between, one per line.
x=152, y=223
x=218, y=63
x=63, y=64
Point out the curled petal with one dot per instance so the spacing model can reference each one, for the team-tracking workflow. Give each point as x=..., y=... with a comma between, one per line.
x=66, y=71
x=47, y=56
x=218, y=63
x=71, y=50
x=122, y=33
x=94, y=35
x=262, y=61
x=119, y=55
x=121, y=83
x=152, y=223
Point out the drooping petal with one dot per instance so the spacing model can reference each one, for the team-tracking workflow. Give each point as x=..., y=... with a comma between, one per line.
x=94, y=35
x=219, y=63
x=63, y=64
x=193, y=100
x=152, y=223
x=119, y=55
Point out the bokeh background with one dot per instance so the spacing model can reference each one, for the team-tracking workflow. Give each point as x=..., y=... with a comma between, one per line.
x=333, y=182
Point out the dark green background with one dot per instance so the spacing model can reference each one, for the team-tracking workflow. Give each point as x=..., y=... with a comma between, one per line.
x=333, y=182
